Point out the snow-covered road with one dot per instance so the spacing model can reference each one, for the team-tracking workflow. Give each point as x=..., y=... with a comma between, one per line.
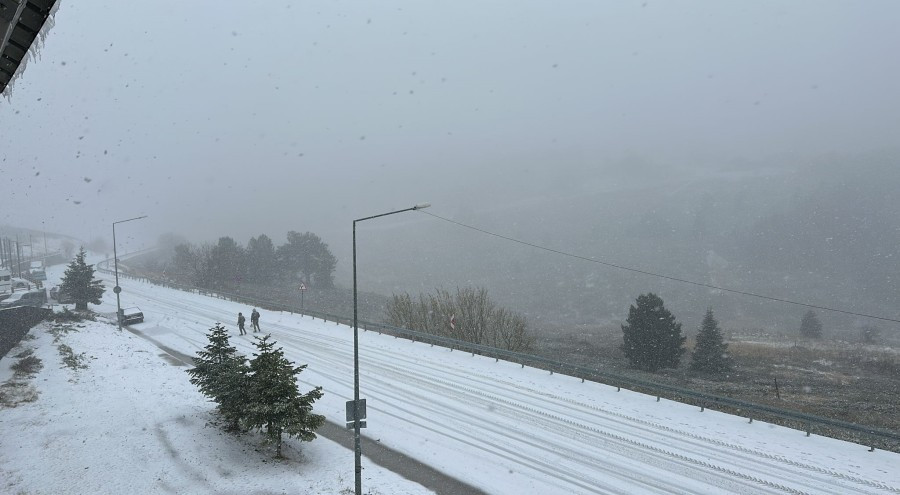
x=508, y=429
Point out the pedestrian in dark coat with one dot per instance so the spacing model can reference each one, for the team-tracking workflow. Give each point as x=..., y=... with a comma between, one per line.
x=254, y=320
x=241, y=321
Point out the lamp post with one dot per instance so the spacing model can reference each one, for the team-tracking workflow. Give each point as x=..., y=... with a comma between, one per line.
x=118, y=289
x=356, y=419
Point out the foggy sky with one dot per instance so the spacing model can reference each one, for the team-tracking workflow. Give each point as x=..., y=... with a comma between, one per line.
x=241, y=118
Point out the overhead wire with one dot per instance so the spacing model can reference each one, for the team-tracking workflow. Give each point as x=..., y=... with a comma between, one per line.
x=658, y=275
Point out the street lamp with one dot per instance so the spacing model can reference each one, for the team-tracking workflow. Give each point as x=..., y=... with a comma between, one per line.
x=118, y=289
x=356, y=418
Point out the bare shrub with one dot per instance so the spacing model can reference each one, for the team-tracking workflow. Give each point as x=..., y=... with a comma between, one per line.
x=883, y=364
x=469, y=315
x=870, y=334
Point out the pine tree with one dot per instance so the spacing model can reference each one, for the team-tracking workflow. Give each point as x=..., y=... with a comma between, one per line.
x=222, y=375
x=810, y=326
x=262, y=262
x=308, y=254
x=710, y=352
x=275, y=403
x=653, y=339
x=79, y=282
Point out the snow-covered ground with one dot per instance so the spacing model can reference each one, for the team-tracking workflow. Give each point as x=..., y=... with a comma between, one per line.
x=132, y=423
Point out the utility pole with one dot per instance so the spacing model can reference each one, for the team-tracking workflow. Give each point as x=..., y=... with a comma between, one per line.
x=18, y=257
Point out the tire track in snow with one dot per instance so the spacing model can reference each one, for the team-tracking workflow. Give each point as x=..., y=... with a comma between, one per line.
x=513, y=406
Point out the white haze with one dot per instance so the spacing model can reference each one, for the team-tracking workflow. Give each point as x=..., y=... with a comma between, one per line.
x=242, y=118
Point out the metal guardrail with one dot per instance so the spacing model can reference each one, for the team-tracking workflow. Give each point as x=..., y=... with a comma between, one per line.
x=701, y=399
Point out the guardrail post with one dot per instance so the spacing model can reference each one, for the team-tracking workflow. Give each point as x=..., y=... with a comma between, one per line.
x=751, y=422
x=657, y=398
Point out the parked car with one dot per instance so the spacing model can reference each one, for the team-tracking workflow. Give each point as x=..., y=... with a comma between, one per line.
x=20, y=284
x=36, y=298
x=131, y=315
x=61, y=297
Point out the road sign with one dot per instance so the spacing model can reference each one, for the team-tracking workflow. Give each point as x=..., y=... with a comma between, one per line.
x=302, y=287
x=117, y=289
x=362, y=413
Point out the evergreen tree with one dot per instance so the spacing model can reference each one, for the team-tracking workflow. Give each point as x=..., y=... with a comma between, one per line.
x=275, y=404
x=222, y=375
x=227, y=262
x=710, y=352
x=262, y=264
x=653, y=339
x=184, y=261
x=810, y=326
x=308, y=254
x=79, y=282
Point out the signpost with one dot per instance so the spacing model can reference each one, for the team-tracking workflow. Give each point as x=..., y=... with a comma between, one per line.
x=351, y=421
x=302, y=291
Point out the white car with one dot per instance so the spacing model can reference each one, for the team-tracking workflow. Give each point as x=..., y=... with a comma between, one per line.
x=20, y=284
x=36, y=298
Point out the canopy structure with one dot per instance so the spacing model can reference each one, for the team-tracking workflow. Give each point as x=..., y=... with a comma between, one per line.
x=21, y=22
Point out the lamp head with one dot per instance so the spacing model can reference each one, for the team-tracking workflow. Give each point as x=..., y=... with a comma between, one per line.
x=421, y=206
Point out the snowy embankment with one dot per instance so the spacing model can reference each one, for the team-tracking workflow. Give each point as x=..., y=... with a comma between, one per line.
x=495, y=425
x=130, y=422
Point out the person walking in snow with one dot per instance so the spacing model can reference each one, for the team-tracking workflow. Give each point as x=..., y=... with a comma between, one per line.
x=254, y=320
x=241, y=321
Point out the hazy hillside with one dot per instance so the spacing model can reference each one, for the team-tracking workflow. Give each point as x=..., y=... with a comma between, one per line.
x=824, y=233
